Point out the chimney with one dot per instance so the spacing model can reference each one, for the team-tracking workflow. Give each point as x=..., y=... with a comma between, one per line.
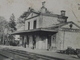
x=63, y=12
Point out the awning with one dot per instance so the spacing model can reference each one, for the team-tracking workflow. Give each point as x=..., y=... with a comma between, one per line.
x=33, y=31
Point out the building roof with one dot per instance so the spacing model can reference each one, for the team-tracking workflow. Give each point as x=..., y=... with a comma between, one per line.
x=38, y=13
x=44, y=14
x=34, y=30
x=51, y=29
x=63, y=24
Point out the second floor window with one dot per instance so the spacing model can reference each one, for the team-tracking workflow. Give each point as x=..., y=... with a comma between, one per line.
x=28, y=25
x=34, y=24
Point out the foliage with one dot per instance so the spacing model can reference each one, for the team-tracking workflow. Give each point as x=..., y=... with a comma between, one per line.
x=25, y=14
x=12, y=23
x=7, y=27
x=23, y=17
x=3, y=28
x=20, y=20
x=3, y=25
x=12, y=27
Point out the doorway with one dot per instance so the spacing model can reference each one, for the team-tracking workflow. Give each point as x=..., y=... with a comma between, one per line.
x=28, y=41
x=49, y=42
x=34, y=41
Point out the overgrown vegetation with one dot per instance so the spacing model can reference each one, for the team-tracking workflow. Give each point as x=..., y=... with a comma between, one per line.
x=6, y=28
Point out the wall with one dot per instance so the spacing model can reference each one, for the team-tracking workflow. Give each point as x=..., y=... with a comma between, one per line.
x=42, y=21
x=30, y=41
x=53, y=42
x=72, y=39
x=49, y=21
x=41, y=43
x=68, y=39
x=45, y=42
x=58, y=41
x=31, y=23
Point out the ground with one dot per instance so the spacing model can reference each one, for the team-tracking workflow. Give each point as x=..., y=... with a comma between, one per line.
x=43, y=52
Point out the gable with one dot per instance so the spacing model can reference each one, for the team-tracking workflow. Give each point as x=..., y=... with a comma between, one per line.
x=31, y=15
x=74, y=26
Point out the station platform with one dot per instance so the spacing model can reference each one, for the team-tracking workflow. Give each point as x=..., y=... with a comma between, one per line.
x=43, y=52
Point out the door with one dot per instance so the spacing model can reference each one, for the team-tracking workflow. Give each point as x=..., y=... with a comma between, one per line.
x=34, y=42
x=28, y=41
x=49, y=42
x=53, y=41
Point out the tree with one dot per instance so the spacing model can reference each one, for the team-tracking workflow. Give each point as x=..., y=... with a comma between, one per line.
x=3, y=29
x=23, y=17
x=12, y=27
x=12, y=23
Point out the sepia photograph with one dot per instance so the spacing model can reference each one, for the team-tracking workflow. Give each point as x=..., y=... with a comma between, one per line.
x=39, y=29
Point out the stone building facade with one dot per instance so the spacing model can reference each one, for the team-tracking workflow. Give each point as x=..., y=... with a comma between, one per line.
x=45, y=30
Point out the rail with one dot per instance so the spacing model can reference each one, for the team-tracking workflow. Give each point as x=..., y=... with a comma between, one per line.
x=27, y=55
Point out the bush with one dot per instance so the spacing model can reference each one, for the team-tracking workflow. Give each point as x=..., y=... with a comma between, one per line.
x=78, y=52
x=70, y=50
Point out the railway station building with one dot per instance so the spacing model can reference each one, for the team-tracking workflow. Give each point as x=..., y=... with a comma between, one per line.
x=46, y=30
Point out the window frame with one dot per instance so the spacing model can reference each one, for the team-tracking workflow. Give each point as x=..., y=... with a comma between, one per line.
x=34, y=24
x=29, y=25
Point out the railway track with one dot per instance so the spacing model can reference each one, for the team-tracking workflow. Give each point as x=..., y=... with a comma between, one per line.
x=24, y=55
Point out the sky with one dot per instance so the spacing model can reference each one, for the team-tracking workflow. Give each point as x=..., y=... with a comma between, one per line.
x=17, y=7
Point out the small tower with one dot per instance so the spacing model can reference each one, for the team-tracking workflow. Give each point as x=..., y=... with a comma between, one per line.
x=43, y=3
x=63, y=12
x=62, y=18
x=43, y=8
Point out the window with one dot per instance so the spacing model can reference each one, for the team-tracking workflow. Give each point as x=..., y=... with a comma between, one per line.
x=34, y=24
x=28, y=25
